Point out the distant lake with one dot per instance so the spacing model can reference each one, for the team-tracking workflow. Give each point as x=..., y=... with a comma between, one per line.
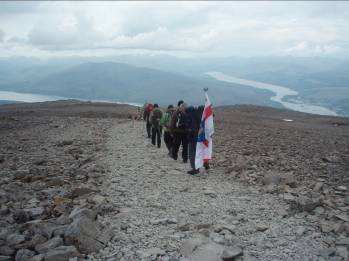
x=6, y=97
x=280, y=93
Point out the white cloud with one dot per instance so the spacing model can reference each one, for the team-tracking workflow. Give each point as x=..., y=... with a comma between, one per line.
x=2, y=36
x=212, y=28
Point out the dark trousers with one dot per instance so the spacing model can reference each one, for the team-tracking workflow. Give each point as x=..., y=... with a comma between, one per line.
x=178, y=140
x=192, y=151
x=168, y=141
x=156, y=136
x=148, y=126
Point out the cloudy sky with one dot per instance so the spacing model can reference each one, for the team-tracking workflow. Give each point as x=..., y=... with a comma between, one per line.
x=177, y=28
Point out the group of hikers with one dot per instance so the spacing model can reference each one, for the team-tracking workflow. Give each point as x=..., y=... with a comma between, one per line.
x=179, y=126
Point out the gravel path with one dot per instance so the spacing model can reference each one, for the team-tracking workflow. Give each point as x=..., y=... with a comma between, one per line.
x=161, y=207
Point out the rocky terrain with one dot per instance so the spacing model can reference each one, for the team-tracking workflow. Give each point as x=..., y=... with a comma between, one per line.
x=81, y=181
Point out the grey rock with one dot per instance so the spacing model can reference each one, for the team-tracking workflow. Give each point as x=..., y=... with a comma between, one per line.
x=231, y=254
x=326, y=252
x=5, y=258
x=61, y=253
x=273, y=179
x=342, y=252
x=15, y=239
x=24, y=255
x=21, y=216
x=6, y=251
x=343, y=242
x=39, y=257
x=79, y=212
x=188, y=246
x=151, y=253
x=87, y=235
x=50, y=244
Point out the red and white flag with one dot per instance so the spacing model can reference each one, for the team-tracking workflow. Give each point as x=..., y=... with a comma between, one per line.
x=204, y=142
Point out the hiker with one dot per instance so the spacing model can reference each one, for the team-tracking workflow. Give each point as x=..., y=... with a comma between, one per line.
x=193, y=125
x=179, y=132
x=165, y=123
x=146, y=117
x=156, y=129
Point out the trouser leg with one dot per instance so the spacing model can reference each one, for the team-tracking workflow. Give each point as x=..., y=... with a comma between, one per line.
x=176, y=145
x=168, y=140
x=192, y=151
x=184, y=141
x=148, y=129
x=158, y=131
x=153, y=135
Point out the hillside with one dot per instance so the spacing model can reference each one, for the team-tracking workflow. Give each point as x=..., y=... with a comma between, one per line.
x=122, y=82
x=276, y=189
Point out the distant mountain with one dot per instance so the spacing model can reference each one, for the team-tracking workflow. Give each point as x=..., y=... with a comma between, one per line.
x=122, y=82
x=319, y=81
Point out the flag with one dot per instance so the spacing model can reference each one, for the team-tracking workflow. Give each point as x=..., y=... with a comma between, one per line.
x=206, y=130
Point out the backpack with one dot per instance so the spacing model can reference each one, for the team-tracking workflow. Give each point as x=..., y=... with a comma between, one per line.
x=180, y=122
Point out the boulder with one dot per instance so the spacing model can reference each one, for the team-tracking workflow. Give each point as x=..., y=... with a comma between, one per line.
x=15, y=239
x=79, y=212
x=52, y=243
x=6, y=251
x=61, y=253
x=24, y=255
x=39, y=257
x=78, y=192
x=87, y=235
x=21, y=216
x=273, y=179
x=231, y=254
x=55, y=182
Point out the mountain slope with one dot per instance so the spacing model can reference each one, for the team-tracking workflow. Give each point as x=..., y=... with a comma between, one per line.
x=122, y=82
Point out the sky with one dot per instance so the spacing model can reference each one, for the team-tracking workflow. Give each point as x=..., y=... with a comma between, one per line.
x=190, y=29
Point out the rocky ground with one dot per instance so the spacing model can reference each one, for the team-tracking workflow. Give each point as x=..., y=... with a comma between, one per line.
x=80, y=181
x=50, y=177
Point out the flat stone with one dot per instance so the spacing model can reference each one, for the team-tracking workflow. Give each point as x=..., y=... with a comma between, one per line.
x=15, y=239
x=5, y=258
x=327, y=252
x=61, y=253
x=24, y=254
x=50, y=244
x=231, y=253
x=6, y=251
x=342, y=188
x=262, y=227
x=343, y=242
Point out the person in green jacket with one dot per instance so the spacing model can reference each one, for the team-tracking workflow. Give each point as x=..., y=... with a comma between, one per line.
x=165, y=122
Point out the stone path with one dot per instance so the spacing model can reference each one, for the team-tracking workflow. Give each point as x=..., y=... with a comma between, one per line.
x=161, y=207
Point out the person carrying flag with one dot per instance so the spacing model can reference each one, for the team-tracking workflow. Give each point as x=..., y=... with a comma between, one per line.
x=203, y=151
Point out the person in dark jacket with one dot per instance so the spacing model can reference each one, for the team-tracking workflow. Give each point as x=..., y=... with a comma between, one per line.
x=179, y=132
x=156, y=130
x=193, y=125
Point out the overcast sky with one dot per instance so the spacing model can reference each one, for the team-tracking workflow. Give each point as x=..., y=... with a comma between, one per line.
x=177, y=28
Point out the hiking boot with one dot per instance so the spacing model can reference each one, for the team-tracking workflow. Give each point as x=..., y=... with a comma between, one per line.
x=193, y=172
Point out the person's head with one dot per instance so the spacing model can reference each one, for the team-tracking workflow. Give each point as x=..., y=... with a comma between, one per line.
x=180, y=103
x=156, y=105
x=182, y=107
x=169, y=107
